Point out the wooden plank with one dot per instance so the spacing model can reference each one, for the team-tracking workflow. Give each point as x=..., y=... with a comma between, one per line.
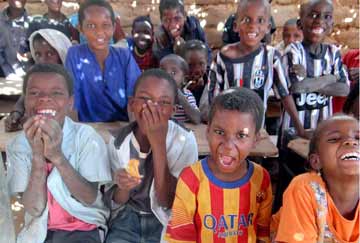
x=300, y=146
x=10, y=87
x=264, y=147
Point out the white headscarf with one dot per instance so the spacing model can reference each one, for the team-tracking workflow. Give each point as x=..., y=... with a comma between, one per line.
x=55, y=38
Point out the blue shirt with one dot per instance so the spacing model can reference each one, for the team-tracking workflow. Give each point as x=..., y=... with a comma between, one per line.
x=102, y=95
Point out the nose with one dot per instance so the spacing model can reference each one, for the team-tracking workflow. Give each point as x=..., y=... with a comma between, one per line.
x=229, y=143
x=351, y=142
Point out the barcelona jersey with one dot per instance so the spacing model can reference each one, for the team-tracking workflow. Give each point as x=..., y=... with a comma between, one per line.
x=209, y=210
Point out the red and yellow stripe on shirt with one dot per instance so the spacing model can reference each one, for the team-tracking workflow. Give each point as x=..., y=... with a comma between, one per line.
x=207, y=210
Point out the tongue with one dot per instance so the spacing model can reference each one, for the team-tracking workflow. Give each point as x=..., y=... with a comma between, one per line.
x=226, y=160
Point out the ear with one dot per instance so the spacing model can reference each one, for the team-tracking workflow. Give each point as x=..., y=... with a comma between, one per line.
x=257, y=139
x=314, y=161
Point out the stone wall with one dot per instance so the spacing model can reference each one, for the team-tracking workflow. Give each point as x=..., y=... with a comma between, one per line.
x=215, y=12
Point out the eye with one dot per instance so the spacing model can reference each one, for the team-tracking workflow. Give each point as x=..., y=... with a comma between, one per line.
x=57, y=93
x=261, y=20
x=242, y=135
x=107, y=26
x=164, y=102
x=219, y=132
x=328, y=17
x=333, y=139
x=50, y=54
x=246, y=20
x=33, y=93
x=314, y=15
x=172, y=73
x=90, y=26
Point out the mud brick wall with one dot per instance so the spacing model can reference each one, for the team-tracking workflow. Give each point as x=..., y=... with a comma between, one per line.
x=213, y=14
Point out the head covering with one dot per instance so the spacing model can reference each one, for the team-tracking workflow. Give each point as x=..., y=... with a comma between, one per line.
x=55, y=38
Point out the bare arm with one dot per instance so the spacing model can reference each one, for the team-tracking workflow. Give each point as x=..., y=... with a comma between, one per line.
x=125, y=183
x=191, y=112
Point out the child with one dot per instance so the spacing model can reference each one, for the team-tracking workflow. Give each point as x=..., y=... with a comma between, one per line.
x=195, y=54
x=176, y=28
x=54, y=19
x=57, y=164
x=291, y=34
x=315, y=69
x=161, y=147
x=141, y=43
x=324, y=206
x=250, y=64
x=17, y=21
x=186, y=108
x=47, y=46
x=104, y=75
x=8, y=59
x=225, y=197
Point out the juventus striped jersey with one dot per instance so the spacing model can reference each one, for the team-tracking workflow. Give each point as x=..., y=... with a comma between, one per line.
x=260, y=71
x=312, y=107
x=208, y=210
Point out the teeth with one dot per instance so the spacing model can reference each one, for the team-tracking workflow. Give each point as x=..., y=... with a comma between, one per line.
x=225, y=160
x=351, y=156
x=47, y=112
x=252, y=35
x=318, y=31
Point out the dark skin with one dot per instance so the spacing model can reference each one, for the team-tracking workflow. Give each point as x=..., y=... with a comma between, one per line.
x=16, y=8
x=152, y=106
x=316, y=21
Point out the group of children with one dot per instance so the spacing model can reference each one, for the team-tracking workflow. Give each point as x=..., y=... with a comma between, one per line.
x=75, y=188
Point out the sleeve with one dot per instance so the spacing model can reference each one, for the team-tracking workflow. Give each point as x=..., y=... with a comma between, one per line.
x=265, y=207
x=216, y=78
x=339, y=69
x=190, y=98
x=93, y=160
x=280, y=82
x=132, y=73
x=162, y=45
x=297, y=219
x=70, y=66
x=19, y=167
x=291, y=57
x=181, y=227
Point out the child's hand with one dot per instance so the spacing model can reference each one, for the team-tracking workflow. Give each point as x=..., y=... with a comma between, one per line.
x=125, y=181
x=52, y=137
x=14, y=121
x=33, y=134
x=195, y=84
x=299, y=70
x=156, y=123
x=354, y=74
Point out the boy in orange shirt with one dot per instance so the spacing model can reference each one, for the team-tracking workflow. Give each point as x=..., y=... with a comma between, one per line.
x=225, y=197
x=324, y=206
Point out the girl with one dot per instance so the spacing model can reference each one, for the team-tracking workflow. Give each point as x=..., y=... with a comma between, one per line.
x=324, y=206
x=47, y=46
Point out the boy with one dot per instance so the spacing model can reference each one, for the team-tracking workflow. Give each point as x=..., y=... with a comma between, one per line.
x=250, y=64
x=291, y=34
x=57, y=164
x=141, y=43
x=315, y=69
x=104, y=75
x=176, y=28
x=225, y=197
x=162, y=149
x=186, y=109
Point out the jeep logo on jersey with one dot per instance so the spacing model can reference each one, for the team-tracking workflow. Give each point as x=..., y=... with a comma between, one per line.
x=259, y=79
x=310, y=101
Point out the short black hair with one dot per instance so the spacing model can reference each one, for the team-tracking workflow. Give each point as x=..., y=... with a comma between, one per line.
x=99, y=3
x=305, y=7
x=171, y=4
x=290, y=22
x=349, y=103
x=193, y=45
x=38, y=37
x=157, y=73
x=140, y=19
x=49, y=68
x=178, y=60
x=243, y=3
x=313, y=145
x=241, y=100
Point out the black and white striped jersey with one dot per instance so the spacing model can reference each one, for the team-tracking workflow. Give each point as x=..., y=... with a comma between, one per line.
x=260, y=71
x=312, y=107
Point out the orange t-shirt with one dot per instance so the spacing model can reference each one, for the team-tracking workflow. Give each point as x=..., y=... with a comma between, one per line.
x=309, y=214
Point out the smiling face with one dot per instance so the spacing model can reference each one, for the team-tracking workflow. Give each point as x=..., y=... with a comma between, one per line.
x=143, y=35
x=17, y=4
x=156, y=90
x=44, y=53
x=317, y=21
x=230, y=141
x=173, y=21
x=47, y=95
x=291, y=34
x=252, y=24
x=337, y=152
x=197, y=61
x=54, y=5
x=97, y=27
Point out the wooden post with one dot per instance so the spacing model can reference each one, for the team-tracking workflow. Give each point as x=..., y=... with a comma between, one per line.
x=7, y=233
